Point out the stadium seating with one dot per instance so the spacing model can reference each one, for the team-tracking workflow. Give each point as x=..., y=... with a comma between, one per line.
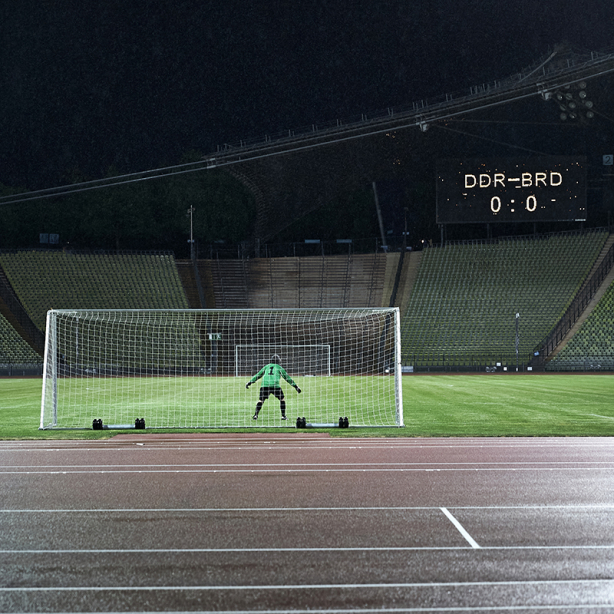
x=459, y=302
x=592, y=347
x=13, y=349
x=356, y=280
x=230, y=284
x=65, y=280
x=464, y=302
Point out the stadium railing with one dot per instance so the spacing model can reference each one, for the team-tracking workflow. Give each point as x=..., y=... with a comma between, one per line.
x=21, y=369
x=13, y=348
x=592, y=347
x=13, y=310
x=577, y=307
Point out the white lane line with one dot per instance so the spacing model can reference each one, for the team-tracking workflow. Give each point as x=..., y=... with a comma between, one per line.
x=385, y=549
x=402, y=443
x=219, y=510
x=154, y=446
x=401, y=465
x=417, y=610
x=308, y=587
x=460, y=528
x=333, y=469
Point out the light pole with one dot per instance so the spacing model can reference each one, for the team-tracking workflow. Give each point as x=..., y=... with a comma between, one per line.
x=405, y=210
x=517, y=338
x=191, y=241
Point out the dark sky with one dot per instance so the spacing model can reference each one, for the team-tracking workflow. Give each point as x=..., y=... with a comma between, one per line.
x=134, y=84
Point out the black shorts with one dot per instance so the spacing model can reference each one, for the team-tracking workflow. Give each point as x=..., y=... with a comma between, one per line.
x=265, y=391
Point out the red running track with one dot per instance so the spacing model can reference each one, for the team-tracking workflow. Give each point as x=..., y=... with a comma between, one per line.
x=305, y=522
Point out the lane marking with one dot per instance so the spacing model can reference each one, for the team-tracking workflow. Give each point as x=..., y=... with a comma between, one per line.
x=334, y=469
x=299, y=550
x=460, y=528
x=403, y=443
x=419, y=465
x=137, y=510
x=309, y=587
x=449, y=609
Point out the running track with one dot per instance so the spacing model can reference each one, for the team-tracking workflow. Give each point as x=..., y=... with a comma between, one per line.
x=304, y=522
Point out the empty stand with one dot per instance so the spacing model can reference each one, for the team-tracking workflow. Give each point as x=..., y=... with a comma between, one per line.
x=355, y=280
x=465, y=298
x=15, y=314
x=592, y=346
x=192, y=283
x=230, y=284
x=458, y=302
x=13, y=349
x=44, y=280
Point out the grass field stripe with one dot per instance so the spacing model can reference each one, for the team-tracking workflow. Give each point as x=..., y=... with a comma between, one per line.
x=519, y=407
x=460, y=528
x=308, y=587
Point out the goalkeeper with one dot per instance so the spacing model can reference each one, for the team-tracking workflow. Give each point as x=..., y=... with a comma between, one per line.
x=271, y=375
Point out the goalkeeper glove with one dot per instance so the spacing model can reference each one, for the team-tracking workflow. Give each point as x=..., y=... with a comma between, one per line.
x=297, y=389
x=248, y=385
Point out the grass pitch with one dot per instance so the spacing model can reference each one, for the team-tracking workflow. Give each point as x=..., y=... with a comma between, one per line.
x=509, y=405
x=434, y=405
x=198, y=402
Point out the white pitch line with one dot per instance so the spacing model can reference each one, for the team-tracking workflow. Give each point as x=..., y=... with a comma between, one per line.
x=460, y=528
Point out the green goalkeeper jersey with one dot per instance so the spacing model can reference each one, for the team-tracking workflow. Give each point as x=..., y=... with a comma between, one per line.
x=271, y=375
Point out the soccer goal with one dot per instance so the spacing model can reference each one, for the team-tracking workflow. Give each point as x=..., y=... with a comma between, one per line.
x=189, y=368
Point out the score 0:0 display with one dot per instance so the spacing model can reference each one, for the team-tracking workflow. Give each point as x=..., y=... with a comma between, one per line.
x=511, y=190
x=530, y=204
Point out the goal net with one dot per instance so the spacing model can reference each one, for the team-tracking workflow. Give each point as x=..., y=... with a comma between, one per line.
x=189, y=368
x=298, y=359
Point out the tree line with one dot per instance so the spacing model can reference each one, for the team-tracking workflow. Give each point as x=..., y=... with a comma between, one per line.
x=152, y=214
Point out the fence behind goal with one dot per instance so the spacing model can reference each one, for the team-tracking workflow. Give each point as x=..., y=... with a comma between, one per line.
x=188, y=368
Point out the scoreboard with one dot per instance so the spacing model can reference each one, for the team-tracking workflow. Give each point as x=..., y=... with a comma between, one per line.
x=544, y=189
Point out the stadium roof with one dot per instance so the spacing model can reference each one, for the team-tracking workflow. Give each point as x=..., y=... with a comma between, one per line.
x=296, y=172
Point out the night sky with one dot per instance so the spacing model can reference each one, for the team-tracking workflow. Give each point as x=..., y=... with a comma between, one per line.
x=87, y=85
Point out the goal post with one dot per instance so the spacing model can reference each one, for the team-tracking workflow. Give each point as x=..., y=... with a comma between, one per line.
x=167, y=368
